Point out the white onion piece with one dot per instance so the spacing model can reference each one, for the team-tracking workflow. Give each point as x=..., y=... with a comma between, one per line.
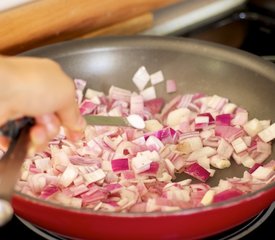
x=217, y=102
x=268, y=134
x=240, y=118
x=229, y=108
x=225, y=149
x=265, y=123
x=153, y=125
x=156, y=77
x=141, y=78
x=208, y=197
x=68, y=175
x=91, y=93
x=94, y=176
x=195, y=143
x=239, y=145
x=148, y=93
x=120, y=93
x=154, y=142
x=171, y=86
x=262, y=173
x=136, y=104
x=253, y=127
x=175, y=117
x=136, y=121
x=141, y=164
x=42, y=163
x=248, y=161
x=219, y=162
x=202, y=152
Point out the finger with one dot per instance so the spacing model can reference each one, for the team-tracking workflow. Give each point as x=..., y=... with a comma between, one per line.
x=38, y=137
x=51, y=123
x=72, y=121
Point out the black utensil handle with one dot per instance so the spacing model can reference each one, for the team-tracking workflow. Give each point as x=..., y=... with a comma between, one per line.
x=10, y=165
x=12, y=128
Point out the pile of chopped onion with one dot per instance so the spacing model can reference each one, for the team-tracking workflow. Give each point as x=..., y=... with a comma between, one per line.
x=116, y=169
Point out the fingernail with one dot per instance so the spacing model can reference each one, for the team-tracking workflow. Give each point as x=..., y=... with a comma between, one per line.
x=74, y=136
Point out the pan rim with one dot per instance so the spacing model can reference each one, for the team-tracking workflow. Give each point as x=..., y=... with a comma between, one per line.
x=190, y=45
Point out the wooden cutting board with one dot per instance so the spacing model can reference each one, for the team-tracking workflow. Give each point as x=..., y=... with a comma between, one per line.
x=47, y=21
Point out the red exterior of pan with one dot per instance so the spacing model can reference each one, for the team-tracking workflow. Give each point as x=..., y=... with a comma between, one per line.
x=187, y=224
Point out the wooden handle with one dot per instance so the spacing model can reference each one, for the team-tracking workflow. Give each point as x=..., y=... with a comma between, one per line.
x=128, y=27
x=24, y=27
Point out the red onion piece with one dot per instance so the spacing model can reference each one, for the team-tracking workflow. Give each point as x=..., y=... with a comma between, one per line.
x=254, y=167
x=227, y=194
x=154, y=105
x=223, y=119
x=120, y=164
x=198, y=172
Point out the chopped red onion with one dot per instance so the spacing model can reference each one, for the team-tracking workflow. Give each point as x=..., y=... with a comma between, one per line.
x=141, y=78
x=185, y=101
x=68, y=175
x=93, y=94
x=136, y=105
x=217, y=102
x=225, y=149
x=153, y=143
x=156, y=77
x=239, y=145
x=80, y=84
x=202, y=152
x=254, y=167
x=253, y=127
x=148, y=93
x=136, y=121
x=229, y=133
x=48, y=191
x=227, y=194
x=94, y=176
x=263, y=173
x=166, y=135
x=268, y=134
x=123, y=169
x=223, y=119
x=120, y=164
x=87, y=107
x=197, y=171
x=240, y=118
x=154, y=105
x=117, y=93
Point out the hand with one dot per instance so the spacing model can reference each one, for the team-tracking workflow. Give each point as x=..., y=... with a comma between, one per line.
x=39, y=88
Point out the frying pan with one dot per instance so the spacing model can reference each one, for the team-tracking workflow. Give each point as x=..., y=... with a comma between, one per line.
x=197, y=66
